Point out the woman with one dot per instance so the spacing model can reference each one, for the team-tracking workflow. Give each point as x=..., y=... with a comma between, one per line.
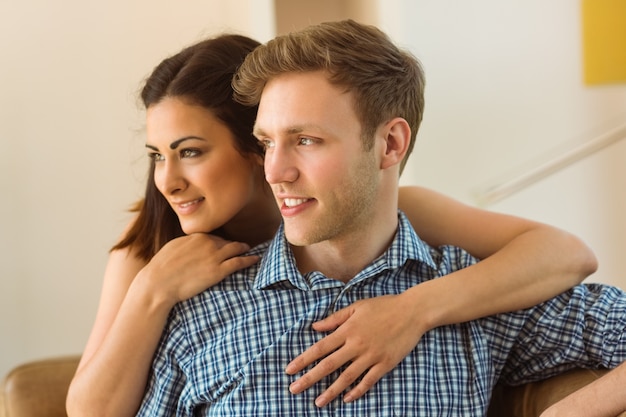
x=206, y=176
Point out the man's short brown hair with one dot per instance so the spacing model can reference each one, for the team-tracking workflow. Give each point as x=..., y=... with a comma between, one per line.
x=386, y=81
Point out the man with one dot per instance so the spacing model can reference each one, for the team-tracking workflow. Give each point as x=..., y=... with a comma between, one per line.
x=339, y=107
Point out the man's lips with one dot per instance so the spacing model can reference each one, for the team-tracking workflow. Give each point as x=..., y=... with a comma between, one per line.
x=292, y=202
x=293, y=206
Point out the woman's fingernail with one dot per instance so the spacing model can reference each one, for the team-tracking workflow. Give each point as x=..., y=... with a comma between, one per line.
x=294, y=388
x=320, y=401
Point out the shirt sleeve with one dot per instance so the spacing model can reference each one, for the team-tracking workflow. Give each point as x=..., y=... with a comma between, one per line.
x=584, y=327
x=166, y=382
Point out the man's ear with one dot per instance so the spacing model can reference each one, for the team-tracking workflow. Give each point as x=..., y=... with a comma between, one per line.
x=397, y=137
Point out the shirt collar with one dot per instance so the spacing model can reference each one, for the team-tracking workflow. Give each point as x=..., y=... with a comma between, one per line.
x=278, y=267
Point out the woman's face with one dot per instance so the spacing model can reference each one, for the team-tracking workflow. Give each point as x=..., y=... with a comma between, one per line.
x=198, y=169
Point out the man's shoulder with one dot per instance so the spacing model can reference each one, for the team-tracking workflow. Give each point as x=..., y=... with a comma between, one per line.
x=444, y=259
x=241, y=280
x=593, y=292
x=598, y=293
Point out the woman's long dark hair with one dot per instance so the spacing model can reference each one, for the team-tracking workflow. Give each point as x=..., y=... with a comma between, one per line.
x=200, y=74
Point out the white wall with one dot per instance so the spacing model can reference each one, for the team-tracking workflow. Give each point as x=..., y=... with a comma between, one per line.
x=503, y=89
x=71, y=148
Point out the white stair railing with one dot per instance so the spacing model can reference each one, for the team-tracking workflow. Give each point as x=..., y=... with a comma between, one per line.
x=491, y=194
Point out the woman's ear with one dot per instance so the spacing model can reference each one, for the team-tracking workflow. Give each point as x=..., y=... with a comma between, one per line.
x=397, y=136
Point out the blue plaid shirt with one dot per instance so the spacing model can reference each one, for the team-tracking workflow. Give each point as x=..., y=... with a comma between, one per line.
x=224, y=351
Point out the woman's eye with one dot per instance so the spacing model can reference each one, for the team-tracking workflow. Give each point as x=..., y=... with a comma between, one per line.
x=189, y=153
x=156, y=157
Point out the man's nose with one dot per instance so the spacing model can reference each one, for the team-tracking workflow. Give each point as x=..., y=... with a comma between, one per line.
x=280, y=165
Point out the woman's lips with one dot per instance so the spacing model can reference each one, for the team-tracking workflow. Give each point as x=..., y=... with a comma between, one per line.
x=188, y=207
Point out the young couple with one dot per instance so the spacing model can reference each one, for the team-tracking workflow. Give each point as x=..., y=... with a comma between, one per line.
x=336, y=124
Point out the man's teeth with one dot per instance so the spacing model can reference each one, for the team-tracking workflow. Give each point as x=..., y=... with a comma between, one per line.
x=291, y=202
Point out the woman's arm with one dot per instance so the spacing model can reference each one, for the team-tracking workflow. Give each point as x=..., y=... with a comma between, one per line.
x=100, y=362
x=135, y=302
x=603, y=397
x=523, y=263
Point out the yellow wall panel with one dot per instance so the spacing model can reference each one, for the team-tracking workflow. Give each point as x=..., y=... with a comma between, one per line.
x=604, y=41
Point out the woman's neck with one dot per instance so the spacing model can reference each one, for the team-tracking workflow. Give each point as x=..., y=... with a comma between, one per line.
x=256, y=223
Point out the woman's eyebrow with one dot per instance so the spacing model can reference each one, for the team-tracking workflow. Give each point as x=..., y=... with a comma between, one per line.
x=176, y=143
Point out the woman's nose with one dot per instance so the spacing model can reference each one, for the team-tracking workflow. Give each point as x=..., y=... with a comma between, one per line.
x=169, y=178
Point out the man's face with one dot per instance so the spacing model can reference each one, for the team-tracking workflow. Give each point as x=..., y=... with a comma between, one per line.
x=323, y=180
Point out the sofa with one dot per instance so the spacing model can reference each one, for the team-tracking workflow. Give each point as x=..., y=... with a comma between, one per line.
x=38, y=389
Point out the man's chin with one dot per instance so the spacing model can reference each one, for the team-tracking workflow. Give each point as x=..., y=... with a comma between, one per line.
x=300, y=237
x=297, y=238
x=296, y=241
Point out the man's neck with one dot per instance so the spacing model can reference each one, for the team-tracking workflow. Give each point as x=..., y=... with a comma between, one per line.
x=344, y=257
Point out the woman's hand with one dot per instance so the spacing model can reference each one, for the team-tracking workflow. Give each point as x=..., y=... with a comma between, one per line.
x=188, y=265
x=372, y=335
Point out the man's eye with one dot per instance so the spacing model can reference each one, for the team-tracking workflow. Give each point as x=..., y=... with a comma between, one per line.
x=266, y=143
x=306, y=141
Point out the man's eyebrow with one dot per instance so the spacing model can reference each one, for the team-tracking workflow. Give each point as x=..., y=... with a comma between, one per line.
x=258, y=132
x=176, y=143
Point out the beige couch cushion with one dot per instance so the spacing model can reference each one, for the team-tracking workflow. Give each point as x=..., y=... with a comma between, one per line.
x=530, y=400
x=38, y=388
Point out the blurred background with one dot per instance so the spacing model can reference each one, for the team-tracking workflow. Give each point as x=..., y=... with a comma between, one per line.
x=514, y=123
